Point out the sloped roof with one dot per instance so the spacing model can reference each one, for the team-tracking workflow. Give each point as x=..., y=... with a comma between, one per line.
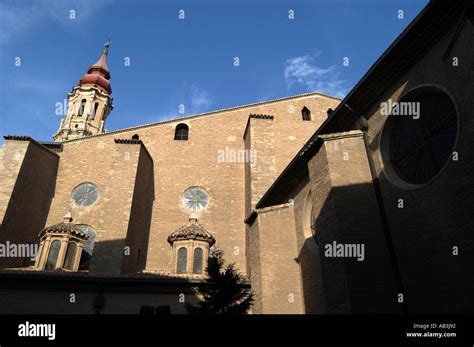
x=192, y=231
x=65, y=228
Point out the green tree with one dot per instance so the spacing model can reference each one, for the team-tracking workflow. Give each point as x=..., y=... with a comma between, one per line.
x=223, y=292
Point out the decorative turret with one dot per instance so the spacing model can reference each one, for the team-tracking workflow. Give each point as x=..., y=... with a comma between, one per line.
x=89, y=103
x=190, y=246
x=192, y=231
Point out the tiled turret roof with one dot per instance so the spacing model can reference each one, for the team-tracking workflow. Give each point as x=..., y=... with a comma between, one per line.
x=192, y=231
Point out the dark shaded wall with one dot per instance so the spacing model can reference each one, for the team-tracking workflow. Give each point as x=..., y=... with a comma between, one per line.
x=346, y=212
x=140, y=216
x=28, y=179
x=436, y=216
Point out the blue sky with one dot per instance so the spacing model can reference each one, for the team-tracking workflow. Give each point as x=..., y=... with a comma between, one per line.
x=186, y=61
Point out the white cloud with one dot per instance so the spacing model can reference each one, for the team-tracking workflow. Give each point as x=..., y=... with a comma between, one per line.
x=200, y=100
x=304, y=71
x=194, y=98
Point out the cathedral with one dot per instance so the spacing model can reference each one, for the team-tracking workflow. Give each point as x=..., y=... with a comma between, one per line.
x=326, y=206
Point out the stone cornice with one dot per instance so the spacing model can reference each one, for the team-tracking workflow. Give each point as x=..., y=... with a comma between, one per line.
x=254, y=213
x=256, y=116
x=29, y=139
x=261, y=116
x=128, y=141
x=251, y=217
x=341, y=135
x=17, y=138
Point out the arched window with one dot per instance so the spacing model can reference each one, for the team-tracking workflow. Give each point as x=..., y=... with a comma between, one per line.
x=53, y=255
x=82, y=107
x=197, y=262
x=309, y=223
x=181, y=132
x=306, y=113
x=313, y=220
x=70, y=256
x=94, y=111
x=182, y=260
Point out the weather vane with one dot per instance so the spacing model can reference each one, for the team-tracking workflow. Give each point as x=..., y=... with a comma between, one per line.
x=106, y=45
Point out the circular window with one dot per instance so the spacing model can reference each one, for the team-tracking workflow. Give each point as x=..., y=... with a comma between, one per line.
x=85, y=194
x=195, y=199
x=419, y=136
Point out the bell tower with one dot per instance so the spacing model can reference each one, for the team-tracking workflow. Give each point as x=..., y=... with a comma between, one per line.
x=89, y=103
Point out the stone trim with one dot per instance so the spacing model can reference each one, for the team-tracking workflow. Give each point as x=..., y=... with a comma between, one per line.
x=128, y=141
x=341, y=135
x=255, y=116
x=254, y=213
x=251, y=217
x=261, y=116
x=17, y=138
x=289, y=204
x=30, y=139
x=134, y=142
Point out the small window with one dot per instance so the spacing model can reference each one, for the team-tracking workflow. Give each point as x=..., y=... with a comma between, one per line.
x=181, y=132
x=94, y=112
x=82, y=107
x=70, y=256
x=53, y=255
x=197, y=263
x=182, y=259
x=306, y=113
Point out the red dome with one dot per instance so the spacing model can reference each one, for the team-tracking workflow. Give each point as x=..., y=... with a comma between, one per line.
x=98, y=74
x=97, y=81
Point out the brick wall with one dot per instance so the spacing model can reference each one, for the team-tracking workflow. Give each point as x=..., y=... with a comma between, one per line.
x=277, y=282
x=348, y=214
x=28, y=171
x=179, y=165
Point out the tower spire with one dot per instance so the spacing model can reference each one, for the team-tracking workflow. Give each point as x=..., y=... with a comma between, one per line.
x=89, y=103
x=100, y=67
x=106, y=46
